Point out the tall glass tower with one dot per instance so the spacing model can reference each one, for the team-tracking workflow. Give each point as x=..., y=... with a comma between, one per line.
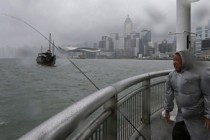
x=128, y=26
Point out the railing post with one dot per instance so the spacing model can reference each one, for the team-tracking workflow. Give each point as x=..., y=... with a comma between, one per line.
x=146, y=102
x=111, y=132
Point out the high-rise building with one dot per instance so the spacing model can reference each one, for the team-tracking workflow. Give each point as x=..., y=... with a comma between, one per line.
x=146, y=39
x=128, y=26
x=209, y=24
x=115, y=40
x=165, y=47
x=106, y=44
x=203, y=33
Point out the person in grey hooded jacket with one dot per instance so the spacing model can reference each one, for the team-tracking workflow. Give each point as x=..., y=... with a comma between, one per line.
x=191, y=90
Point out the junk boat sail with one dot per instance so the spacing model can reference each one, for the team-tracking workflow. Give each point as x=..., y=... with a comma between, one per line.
x=47, y=58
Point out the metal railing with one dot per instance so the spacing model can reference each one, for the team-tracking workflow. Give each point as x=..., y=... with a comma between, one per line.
x=112, y=113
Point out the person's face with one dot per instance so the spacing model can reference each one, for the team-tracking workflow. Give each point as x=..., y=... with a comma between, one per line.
x=177, y=61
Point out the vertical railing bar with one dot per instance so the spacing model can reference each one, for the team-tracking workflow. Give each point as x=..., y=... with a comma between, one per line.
x=120, y=123
x=158, y=93
x=135, y=110
x=160, y=97
x=164, y=87
x=92, y=137
x=128, y=114
x=157, y=98
x=133, y=114
x=99, y=137
x=161, y=94
x=104, y=130
x=100, y=132
x=153, y=97
x=141, y=107
x=97, y=134
x=130, y=117
x=123, y=125
x=125, y=120
x=138, y=109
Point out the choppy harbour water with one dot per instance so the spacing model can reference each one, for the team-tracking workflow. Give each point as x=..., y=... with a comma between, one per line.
x=30, y=93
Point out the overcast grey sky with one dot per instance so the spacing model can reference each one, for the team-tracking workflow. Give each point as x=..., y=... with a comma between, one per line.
x=72, y=21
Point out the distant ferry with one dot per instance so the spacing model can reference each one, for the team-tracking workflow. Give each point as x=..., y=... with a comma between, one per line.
x=47, y=58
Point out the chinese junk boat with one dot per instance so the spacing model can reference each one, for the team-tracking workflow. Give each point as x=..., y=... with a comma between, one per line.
x=47, y=58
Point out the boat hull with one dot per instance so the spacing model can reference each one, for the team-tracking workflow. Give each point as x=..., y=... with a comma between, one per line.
x=46, y=60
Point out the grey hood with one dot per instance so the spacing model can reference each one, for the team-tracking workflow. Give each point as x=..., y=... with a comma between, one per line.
x=188, y=60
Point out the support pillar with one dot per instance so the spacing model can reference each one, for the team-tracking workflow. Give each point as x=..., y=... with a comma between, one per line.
x=183, y=24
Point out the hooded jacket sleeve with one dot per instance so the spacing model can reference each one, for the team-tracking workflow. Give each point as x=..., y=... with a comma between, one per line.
x=169, y=95
x=205, y=87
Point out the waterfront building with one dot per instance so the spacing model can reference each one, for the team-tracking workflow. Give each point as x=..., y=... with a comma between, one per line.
x=203, y=32
x=202, y=48
x=106, y=44
x=141, y=48
x=165, y=47
x=145, y=40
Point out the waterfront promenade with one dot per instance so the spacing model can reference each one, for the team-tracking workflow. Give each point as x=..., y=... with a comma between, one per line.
x=158, y=129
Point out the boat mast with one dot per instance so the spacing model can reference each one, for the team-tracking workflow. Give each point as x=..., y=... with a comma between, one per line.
x=53, y=47
x=50, y=41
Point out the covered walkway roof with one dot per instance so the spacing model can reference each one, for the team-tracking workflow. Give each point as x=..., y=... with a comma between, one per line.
x=79, y=49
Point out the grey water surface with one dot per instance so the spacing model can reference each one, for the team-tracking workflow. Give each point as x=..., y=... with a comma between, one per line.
x=30, y=93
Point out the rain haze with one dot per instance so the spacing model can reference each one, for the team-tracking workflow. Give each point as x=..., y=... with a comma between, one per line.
x=79, y=21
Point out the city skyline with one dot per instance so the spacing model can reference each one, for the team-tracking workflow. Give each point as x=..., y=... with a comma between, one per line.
x=77, y=21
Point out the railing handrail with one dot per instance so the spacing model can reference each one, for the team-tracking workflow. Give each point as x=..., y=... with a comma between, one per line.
x=65, y=122
x=123, y=84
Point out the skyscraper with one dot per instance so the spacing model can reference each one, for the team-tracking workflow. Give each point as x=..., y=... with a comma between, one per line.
x=203, y=33
x=128, y=26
